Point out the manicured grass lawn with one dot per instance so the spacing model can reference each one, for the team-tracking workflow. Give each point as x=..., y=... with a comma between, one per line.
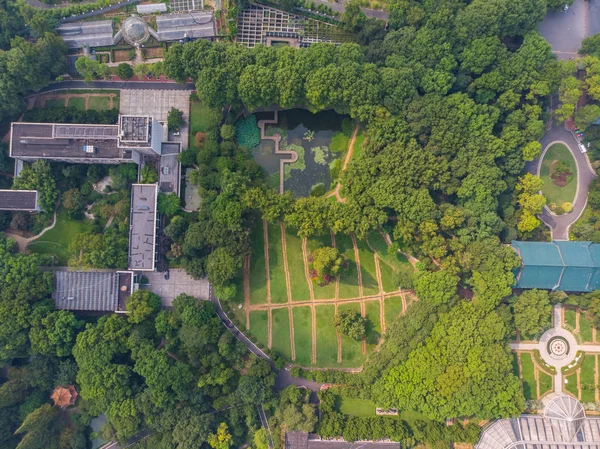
x=367, y=268
x=202, y=118
x=571, y=385
x=328, y=291
x=570, y=318
x=528, y=376
x=387, y=277
x=585, y=328
x=393, y=309
x=276, y=266
x=545, y=382
x=357, y=407
x=259, y=326
x=299, y=284
x=99, y=103
x=77, y=102
x=56, y=240
x=586, y=377
x=281, y=333
x=258, y=276
x=552, y=192
x=326, y=337
x=352, y=355
x=348, y=280
x=55, y=103
x=373, y=322
x=303, y=335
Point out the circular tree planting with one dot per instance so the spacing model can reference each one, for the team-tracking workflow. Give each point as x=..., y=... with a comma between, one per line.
x=559, y=173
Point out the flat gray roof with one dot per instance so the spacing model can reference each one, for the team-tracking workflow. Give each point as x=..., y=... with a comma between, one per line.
x=192, y=25
x=56, y=141
x=142, y=231
x=91, y=291
x=16, y=200
x=97, y=33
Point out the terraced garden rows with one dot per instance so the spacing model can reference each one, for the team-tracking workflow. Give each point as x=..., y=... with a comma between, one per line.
x=288, y=313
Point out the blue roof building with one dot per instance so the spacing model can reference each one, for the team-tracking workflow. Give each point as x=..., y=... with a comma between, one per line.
x=559, y=265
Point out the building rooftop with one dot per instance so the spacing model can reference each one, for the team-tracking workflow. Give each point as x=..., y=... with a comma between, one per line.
x=15, y=200
x=134, y=129
x=151, y=8
x=98, y=33
x=191, y=25
x=91, y=291
x=563, y=426
x=142, y=233
x=135, y=30
x=59, y=141
x=559, y=265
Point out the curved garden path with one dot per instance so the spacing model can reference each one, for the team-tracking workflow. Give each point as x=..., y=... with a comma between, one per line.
x=560, y=224
x=338, y=187
x=22, y=242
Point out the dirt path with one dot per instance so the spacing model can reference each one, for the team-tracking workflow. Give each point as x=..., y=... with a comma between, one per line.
x=312, y=300
x=363, y=313
x=349, y=154
x=578, y=384
x=358, y=270
x=337, y=279
x=339, y=340
x=288, y=284
x=536, y=376
x=270, y=327
x=109, y=222
x=413, y=261
x=319, y=302
x=382, y=314
x=247, y=290
x=577, y=328
x=266, y=253
x=22, y=242
x=596, y=378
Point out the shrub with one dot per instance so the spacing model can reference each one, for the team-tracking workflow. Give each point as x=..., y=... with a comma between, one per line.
x=247, y=132
x=334, y=168
x=199, y=138
x=567, y=206
x=318, y=189
x=124, y=71
x=227, y=132
x=339, y=142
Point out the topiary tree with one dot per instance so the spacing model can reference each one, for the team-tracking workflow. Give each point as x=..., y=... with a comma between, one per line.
x=567, y=206
x=351, y=324
x=325, y=264
x=227, y=132
x=124, y=71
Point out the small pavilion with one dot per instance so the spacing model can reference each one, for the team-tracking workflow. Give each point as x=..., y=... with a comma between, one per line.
x=63, y=397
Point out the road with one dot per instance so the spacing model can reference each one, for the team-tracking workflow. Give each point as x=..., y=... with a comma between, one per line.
x=559, y=224
x=150, y=85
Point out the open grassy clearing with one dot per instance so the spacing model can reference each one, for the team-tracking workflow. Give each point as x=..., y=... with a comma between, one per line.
x=585, y=328
x=356, y=407
x=367, y=268
x=326, y=336
x=587, y=378
x=528, y=376
x=202, y=119
x=55, y=103
x=557, y=154
x=303, y=335
x=373, y=322
x=77, y=102
x=258, y=276
x=349, y=279
x=259, y=326
x=295, y=260
x=281, y=333
x=100, y=103
x=276, y=266
x=571, y=385
x=312, y=243
x=570, y=318
x=387, y=277
x=545, y=381
x=352, y=355
x=56, y=241
x=392, y=309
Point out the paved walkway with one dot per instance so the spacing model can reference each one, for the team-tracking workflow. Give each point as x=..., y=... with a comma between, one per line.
x=339, y=8
x=560, y=224
x=117, y=84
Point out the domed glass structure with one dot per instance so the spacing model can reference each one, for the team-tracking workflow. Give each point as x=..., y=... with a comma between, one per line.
x=566, y=415
x=135, y=30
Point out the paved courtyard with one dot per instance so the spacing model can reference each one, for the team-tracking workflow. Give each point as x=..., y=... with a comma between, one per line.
x=179, y=282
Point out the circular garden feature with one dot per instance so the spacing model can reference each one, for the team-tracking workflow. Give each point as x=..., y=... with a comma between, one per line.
x=559, y=173
x=558, y=347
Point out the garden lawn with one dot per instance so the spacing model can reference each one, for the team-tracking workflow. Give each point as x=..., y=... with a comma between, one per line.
x=77, y=102
x=528, y=376
x=100, y=103
x=571, y=385
x=312, y=243
x=587, y=379
x=281, y=333
x=367, y=268
x=56, y=240
x=357, y=407
x=552, y=192
x=55, y=103
x=585, y=328
x=373, y=322
x=349, y=279
x=258, y=276
x=377, y=242
x=545, y=382
x=326, y=337
x=295, y=259
x=276, y=266
x=571, y=318
x=352, y=356
x=387, y=277
x=202, y=118
x=303, y=335
x=393, y=309
x=259, y=326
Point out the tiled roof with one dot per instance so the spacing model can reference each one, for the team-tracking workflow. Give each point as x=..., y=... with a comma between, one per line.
x=87, y=291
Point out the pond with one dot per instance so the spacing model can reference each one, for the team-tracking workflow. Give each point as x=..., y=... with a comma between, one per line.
x=96, y=424
x=320, y=140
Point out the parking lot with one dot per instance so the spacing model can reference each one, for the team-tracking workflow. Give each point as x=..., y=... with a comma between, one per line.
x=179, y=282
